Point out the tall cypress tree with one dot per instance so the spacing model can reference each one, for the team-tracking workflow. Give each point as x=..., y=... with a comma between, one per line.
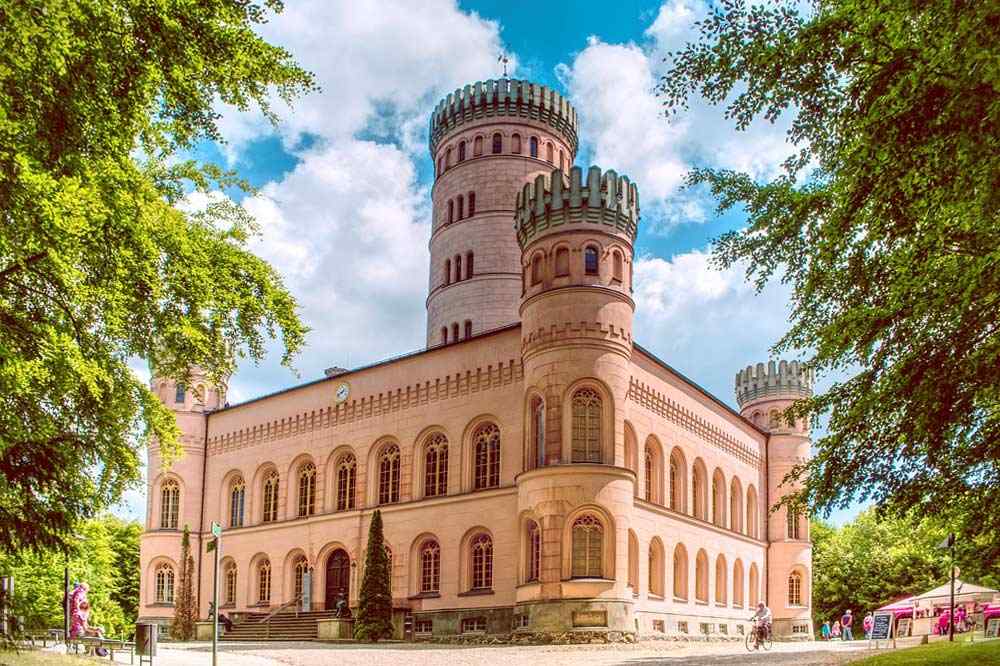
x=185, y=608
x=374, y=619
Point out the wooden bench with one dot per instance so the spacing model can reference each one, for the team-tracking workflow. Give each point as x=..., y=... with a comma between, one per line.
x=91, y=643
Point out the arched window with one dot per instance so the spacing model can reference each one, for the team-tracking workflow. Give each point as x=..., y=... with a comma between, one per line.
x=468, y=329
x=486, y=444
x=270, y=497
x=469, y=257
x=533, y=146
x=590, y=260
x=307, y=490
x=537, y=455
x=738, y=584
x=440, y=165
x=562, y=160
x=754, y=589
x=444, y=335
x=170, y=504
x=515, y=141
x=451, y=211
x=793, y=523
x=447, y=271
x=461, y=151
x=680, y=573
x=301, y=567
x=588, y=547
x=676, y=489
x=447, y=158
x=229, y=587
x=180, y=393
x=388, y=475
x=549, y=152
x=649, y=475
x=534, y=555
x=720, y=580
x=237, y=500
x=454, y=332
x=477, y=146
x=631, y=455
x=264, y=582
x=461, y=207
x=617, y=264
x=656, y=568
x=164, y=584
x=436, y=465
x=586, y=436
x=430, y=567
x=751, y=512
x=536, y=269
x=347, y=477
x=699, y=490
x=735, y=505
x=497, y=143
x=701, y=577
x=562, y=262
x=458, y=268
x=482, y=562
x=795, y=589
x=718, y=498
x=633, y=563
x=472, y=204
x=200, y=394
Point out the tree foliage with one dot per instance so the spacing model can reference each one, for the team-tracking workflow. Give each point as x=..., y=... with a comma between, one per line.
x=886, y=224
x=95, y=558
x=100, y=100
x=374, y=620
x=185, y=605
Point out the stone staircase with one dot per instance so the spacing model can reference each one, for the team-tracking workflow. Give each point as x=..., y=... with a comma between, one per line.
x=284, y=626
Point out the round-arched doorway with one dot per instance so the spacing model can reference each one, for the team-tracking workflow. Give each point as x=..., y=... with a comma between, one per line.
x=338, y=578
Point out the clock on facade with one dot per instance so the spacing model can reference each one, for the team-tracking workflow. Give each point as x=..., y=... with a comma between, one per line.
x=343, y=390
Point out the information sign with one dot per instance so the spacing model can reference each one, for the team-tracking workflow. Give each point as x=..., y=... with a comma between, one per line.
x=993, y=627
x=903, y=627
x=881, y=626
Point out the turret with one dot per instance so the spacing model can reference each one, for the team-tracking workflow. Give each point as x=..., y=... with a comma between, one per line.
x=764, y=393
x=576, y=237
x=486, y=141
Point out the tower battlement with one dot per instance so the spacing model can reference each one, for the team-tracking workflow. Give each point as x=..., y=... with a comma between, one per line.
x=782, y=379
x=503, y=97
x=606, y=199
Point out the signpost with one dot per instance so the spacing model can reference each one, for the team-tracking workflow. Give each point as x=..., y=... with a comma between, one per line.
x=881, y=628
x=215, y=545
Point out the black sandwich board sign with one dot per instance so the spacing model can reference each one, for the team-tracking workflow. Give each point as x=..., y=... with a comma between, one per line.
x=881, y=627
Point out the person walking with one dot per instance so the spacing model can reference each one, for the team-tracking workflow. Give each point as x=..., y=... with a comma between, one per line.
x=825, y=631
x=868, y=623
x=846, y=621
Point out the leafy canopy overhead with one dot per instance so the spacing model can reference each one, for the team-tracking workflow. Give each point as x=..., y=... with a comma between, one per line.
x=99, y=99
x=886, y=224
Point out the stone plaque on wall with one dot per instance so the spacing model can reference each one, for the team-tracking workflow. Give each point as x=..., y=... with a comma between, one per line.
x=590, y=618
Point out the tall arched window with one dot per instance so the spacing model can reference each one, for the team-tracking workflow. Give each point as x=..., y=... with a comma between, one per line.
x=347, y=477
x=458, y=268
x=237, y=501
x=447, y=158
x=680, y=573
x=461, y=207
x=444, y=335
x=632, y=580
x=170, y=504
x=472, y=205
x=264, y=582
x=590, y=264
x=754, y=586
x=468, y=329
x=534, y=555
x=430, y=567
x=440, y=165
x=795, y=589
x=649, y=475
x=656, y=568
x=533, y=146
x=301, y=567
x=436, y=465
x=721, y=582
x=536, y=269
x=736, y=505
x=486, y=444
x=497, y=143
x=752, y=512
x=537, y=454
x=307, y=490
x=588, y=547
x=699, y=490
x=451, y=211
x=461, y=151
x=482, y=562
x=701, y=577
x=550, y=156
x=447, y=271
x=469, y=256
x=617, y=270
x=718, y=498
x=676, y=501
x=477, y=146
x=454, y=332
x=270, y=497
x=180, y=393
x=562, y=262
x=515, y=141
x=586, y=435
x=738, y=584
x=229, y=587
x=164, y=584
x=793, y=523
x=562, y=160
x=388, y=475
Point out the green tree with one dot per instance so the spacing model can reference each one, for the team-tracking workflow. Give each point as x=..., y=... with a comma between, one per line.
x=886, y=224
x=100, y=102
x=125, y=544
x=374, y=620
x=185, y=605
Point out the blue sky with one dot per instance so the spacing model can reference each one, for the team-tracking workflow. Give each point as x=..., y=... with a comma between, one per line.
x=345, y=177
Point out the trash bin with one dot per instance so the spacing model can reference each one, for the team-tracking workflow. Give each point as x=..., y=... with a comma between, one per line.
x=145, y=639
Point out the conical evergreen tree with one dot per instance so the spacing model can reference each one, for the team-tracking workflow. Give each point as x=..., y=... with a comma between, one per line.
x=374, y=620
x=185, y=610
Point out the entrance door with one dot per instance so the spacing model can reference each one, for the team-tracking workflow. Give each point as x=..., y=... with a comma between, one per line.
x=338, y=578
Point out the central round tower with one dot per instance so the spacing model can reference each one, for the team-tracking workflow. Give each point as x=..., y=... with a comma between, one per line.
x=487, y=141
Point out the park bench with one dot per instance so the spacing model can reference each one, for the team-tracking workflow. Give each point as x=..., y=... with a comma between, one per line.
x=91, y=643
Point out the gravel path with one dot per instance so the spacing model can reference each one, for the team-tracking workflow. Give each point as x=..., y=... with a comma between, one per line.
x=641, y=654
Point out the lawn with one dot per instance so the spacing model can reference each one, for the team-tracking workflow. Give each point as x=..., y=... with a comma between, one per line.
x=939, y=654
x=35, y=658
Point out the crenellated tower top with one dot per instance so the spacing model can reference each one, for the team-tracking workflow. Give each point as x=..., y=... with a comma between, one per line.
x=503, y=97
x=553, y=202
x=780, y=380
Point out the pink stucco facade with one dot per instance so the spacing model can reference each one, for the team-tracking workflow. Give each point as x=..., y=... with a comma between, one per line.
x=539, y=471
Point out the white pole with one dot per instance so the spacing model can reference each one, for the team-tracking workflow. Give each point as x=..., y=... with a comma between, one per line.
x=215, y=603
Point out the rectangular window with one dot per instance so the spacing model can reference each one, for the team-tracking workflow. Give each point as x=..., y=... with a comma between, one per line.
x=724, y=629
x=740, y=629
x=682, y=627
x=659, y=626
x=423, y=626
x=522, y=622
x=474, y=625
x=800, y=628
x=705, y=628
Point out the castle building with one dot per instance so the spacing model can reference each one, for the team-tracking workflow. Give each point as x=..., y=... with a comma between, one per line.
x=537, y=470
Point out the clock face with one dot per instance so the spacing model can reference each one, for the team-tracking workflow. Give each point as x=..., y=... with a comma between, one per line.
x=343, y=390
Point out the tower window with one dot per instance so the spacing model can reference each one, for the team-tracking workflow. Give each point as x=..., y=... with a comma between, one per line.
x=793, y=524
x=515, y=141
x=468, y=329
x=562, y=160
x=472, y=204
x=468, y=264
x=590, y=260
x=444, y=335
x=795, y=589
x=536, y=270
x=533, y=146
x=458, y=268
x=618, y=269
x=170, y=501
x=586, y=426
x=549, y=153
x=477, y=147
x=587, y=553
x=179, y=394
x=461, y=207
x=451, y=211
x=447, y=158
x=497, y=143
x=454, y=332
x=562, y=262
x=534, y=551
x=447, y=271
x=461, y=151
x=164, y=584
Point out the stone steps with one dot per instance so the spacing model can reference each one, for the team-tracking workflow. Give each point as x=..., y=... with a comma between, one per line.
x=285, y=626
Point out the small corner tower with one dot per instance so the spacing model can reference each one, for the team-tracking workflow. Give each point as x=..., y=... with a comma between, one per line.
x=763, y=395
x=486, y=141
x=576, y=238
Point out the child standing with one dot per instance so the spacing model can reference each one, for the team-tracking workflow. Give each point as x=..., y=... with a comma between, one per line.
x=825, y=631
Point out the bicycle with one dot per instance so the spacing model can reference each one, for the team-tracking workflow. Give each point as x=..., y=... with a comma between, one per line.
x=759, y=637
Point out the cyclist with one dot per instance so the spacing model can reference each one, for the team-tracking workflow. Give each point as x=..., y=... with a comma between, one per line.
x=763, y=618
